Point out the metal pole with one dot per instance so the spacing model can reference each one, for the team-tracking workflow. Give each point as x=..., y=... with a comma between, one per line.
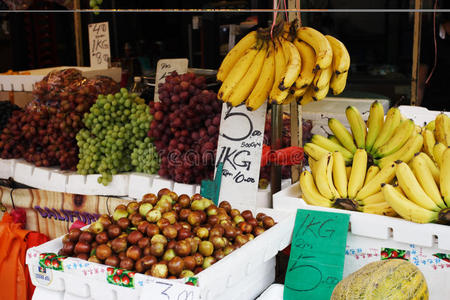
x=277, y=126
x=78, y=34
x=416, y=51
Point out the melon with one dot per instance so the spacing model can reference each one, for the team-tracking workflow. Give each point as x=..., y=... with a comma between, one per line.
x=393, y=279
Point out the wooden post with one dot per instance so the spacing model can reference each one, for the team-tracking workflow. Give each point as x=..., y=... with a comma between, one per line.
x=416, y=51
x=296, y=113
x=78, y=34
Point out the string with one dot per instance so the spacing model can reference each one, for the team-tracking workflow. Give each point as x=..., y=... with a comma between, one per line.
x=275, y=13
x=299, y=18
x=107, y=205
x=435, y=43
x=285, y=11
x=12, y=198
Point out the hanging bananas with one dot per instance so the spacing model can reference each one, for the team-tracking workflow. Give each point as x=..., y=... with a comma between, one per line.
x=299, y=65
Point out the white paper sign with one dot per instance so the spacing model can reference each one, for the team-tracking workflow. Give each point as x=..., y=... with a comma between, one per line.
x=99, y=46
x=240, y=148
x=167, y=290
x=167, y=66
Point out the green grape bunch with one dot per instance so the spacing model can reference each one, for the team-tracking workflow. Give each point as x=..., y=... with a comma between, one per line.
x=116, y=131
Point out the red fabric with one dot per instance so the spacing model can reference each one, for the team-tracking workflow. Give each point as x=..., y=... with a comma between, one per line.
x=283, y=157
x=14, y=242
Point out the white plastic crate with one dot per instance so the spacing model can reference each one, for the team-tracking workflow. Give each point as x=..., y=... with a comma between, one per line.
x=88, y=185
x=7, y=167
x=420, y=115
x=244, y=274
x=373, y=226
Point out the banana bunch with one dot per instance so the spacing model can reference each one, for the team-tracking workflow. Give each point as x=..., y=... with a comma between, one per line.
x=298, y=65
x=331, y=184
x=436, y=137
x=386, y=140
x=424, y=194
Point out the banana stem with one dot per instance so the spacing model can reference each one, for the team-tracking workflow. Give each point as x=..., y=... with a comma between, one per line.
x=444, y=215
x=345, y=203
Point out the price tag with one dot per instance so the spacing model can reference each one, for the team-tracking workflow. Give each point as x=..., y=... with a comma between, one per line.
x=316, y=262
x=99, y=46
x=239, y=149
x=165, y=290
x=167, y=66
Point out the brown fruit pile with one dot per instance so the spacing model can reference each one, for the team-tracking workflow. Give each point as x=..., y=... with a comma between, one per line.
x=166, y=235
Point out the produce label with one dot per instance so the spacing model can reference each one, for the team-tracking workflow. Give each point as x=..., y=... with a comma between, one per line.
x=390, y=253
x=443, y=256
x=167, y=66
x=316, y=262
x=99, y=46
x=120, y=277
x=43, y=276
x=51, y=261
x=239, y=149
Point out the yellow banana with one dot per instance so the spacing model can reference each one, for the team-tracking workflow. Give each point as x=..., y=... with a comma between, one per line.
x=372, y=199
x=333, y=189
x=320, y=94
x=348, y=170
x=236, y=74
x=382, y=208
x=316, y=152
x=321, y=177
x=341, y=58
x=293, y=67
x=334, y=140
x=241, y=92
x=431, y=166
x=398, y=189
x=310, y=193
x=290, y=98
x=307, y=97
x=312, y=165
x=342, y=134
x=431, y=125
x=322, y=78
x=299, y=92
x=280, y=69
x=322, y=48
x=424, y=176
x=338, y=83
x=359, y=167
x=442, y=130
x=261, y=91
x=235, y=54
x=398, y=139
x=357, y=126
x=339, y=174
x=331, y=146
x=445, y=176
x=374, y=124
x=405, y=153
x=412, y=188
x=385, y=175
x=438, y=151
x=372, y=171
x=428, y=142
x=308, y=58
x=390, y=124
x=407, y=209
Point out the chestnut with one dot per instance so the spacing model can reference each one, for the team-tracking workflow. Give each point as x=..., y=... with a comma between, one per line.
x=132, y=207
x=68, y=248
x=163, y=222
x=139, y=266
x=94, y=245
x=202, y=215
x=195, y=242
x=162, y=192
x=159, y=270
x=185, y=225
x=153, y=216
x=198, y=270
x=86, y=236
x=173, y=195
x=102, y=238
x=142, y=227
x=212, y=210
x=196, y=196
x=176, y=265
x=134, y=252
x=159, y=238
x=198, y=259
x=103, y=251
x=177, y=208
x=119, y=244
x=208, y=262
x=245, y=227
x=183, y=248
x=213, y=220
x=228, y=249
x=268, y=222
x=82, y=247
x=189, y=262
x=83, y=256
x=112, y=261
x=96, y=227
x=120, y=212
x=217, y=241
x=258, y=230
x=202, y=233
x=225, y=205
x=148, y=261
x=186, y=274
x=177, y=226
x=252, y=221
x=217, y=230
x=184, y=213
x=171, y=216
x=194, y=218
x=146, y=251
x=184, y=200
x=143, y=242
x=260, y=216
x=219, y=254
x=164, y=204
x=134, y=237
x=230, y=232
x=113, y=231
x=120, y=206
x=127, y=264
x=136, y=219
x=105, y=220
x=234, y=212
x=157, y=249
x=206, y=248
x=250, y=236
x=222, y=217
x=184, y=233
x=247, y=214
x=238, y=219
x=170, y=232
x=152, y=229
x=66, y=239
x=150, y=198
x=171, y=244
x=144, y=208
x=123, y=223
x=168, y=254
x=122, y=255
x=241, y=240
x=74, y=235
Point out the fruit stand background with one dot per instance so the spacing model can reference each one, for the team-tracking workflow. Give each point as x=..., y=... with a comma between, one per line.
x=52, y=213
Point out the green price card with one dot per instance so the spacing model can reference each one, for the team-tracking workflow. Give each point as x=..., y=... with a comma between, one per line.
x=316, y=262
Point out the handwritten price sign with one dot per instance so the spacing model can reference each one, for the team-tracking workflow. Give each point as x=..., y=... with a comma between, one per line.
x=316, y=262
x=99, y=46
x=164, y=290
x=166, y=66
x=239, y=149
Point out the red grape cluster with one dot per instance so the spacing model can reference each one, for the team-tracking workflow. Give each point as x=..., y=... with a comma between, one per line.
x=186, y=128
x=44, y=134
